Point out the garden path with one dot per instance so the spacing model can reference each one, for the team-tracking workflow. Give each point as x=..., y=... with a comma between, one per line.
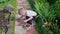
x=19, y=29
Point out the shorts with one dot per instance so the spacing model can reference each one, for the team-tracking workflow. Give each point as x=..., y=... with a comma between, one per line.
x=30, y=21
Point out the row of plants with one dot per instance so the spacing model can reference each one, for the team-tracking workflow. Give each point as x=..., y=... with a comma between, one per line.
x=3, y=1
x=14, y=4
x=48, y=18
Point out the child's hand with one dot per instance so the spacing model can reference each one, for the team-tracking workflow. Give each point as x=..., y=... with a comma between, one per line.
x=25, y=20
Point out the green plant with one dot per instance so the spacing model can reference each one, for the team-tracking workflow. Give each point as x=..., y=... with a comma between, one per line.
x=47, y=10
x=14, y=4
x=44, y=11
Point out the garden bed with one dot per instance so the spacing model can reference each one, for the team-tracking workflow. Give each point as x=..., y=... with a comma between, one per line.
x=14, y=4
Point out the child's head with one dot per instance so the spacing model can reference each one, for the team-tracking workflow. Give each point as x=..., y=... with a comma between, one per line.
x=22, y=11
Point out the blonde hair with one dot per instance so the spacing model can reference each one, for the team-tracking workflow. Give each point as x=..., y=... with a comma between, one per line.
x=20, y=9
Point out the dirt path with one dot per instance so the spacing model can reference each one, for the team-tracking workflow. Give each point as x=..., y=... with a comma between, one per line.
x=19, y=29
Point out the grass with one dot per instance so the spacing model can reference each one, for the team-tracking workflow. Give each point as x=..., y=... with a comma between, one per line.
x=13, y=3
x=3, y=0
x=35, y=32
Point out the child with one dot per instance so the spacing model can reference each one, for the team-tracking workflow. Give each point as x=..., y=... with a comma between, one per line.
x=29, y=15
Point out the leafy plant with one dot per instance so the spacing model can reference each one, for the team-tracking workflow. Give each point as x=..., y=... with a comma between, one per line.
x=13, y=3
x=47, y=10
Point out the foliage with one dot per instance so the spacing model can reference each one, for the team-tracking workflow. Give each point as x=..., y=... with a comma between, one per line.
x=31, y=4
x=14, y=3
x=35, y=32
x=47, y=10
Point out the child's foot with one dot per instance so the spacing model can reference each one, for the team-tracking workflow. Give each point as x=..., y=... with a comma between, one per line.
x=27, y=28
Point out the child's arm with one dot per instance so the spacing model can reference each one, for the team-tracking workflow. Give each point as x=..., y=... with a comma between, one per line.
x=28, y=19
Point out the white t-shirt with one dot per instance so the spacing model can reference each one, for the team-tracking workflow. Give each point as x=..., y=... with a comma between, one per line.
x=30, y=13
